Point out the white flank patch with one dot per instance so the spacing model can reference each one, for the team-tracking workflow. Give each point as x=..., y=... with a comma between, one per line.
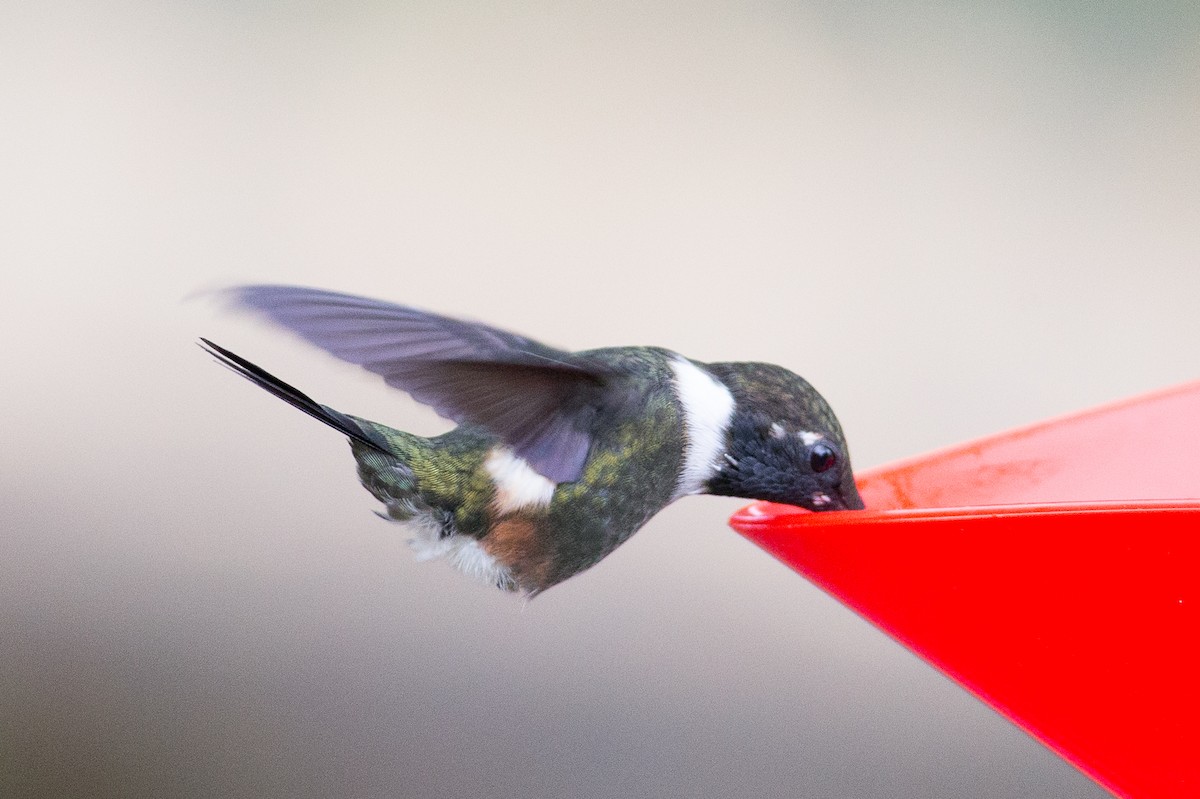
x=707, y=408
x=517, y=484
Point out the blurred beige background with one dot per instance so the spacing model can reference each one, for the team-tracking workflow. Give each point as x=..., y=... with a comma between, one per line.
x=951, y=218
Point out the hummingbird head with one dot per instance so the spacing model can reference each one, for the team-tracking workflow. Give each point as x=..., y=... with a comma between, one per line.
x=783, y=443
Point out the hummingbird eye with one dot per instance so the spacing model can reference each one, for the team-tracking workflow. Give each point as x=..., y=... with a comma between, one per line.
x=822, y=458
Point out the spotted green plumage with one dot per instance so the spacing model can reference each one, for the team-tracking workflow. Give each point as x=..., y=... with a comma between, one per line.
x=444, y=480
x=443, y=476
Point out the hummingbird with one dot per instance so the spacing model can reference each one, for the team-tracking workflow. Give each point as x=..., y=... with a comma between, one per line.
x=558, y=457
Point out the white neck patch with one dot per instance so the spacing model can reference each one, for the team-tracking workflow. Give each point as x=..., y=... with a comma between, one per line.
x=707, y=409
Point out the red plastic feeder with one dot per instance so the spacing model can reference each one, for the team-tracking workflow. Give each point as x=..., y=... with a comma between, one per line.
x=1052, y=571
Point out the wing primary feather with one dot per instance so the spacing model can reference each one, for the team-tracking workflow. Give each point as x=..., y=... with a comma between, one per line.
x=537, y=399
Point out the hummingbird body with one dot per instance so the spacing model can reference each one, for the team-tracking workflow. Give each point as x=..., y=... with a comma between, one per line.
x=559, y=457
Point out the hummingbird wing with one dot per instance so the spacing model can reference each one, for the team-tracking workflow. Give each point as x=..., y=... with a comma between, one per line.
x=539, y=400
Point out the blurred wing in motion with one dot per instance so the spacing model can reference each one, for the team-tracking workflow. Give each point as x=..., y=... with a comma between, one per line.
x=538, y=399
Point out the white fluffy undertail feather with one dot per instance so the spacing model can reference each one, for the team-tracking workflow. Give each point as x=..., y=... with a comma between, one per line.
x=462, y=552
x=472, y=560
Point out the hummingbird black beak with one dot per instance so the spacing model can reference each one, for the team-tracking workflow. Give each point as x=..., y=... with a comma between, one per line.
x=848, y=494
x=844, y=497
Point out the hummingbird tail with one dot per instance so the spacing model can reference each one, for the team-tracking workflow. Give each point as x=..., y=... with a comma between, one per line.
x=296, y=398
